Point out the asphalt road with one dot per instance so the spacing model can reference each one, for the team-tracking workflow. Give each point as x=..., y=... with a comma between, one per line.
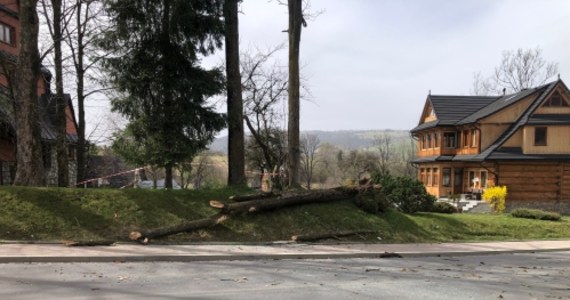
x=543, y=275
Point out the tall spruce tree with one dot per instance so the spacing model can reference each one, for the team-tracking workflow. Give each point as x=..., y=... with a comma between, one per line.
x=154, y=66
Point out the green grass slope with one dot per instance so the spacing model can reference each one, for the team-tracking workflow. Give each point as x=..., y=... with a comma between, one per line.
x=55, y=214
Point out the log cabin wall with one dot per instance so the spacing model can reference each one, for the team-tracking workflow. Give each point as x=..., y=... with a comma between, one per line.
x=537, y=185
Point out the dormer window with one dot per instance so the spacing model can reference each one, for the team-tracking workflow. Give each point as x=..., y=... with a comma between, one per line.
x=6, y=34
x=555, y=101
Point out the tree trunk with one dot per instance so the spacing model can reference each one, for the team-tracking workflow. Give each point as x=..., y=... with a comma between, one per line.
x=81, y=145
x=333, y=235
x=236, y=152
x=243, y=198
x=295, y=21
x=61, y=139
x=145, y=236
x=168, y=177
x=315, y=196
x=30, y=167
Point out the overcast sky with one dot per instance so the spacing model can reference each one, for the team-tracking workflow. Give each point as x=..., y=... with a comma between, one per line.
x=370, y=63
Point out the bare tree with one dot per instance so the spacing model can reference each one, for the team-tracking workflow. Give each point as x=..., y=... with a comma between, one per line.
x=80, y=39
x=357, y=164
x=310, y=144
x=518, y=70
x=266, y=152
x=30, y=168
x=264, y=85
x=56, y=16
x=481, y=86
x=199, y=168
x=408, y=154
x=385, y=147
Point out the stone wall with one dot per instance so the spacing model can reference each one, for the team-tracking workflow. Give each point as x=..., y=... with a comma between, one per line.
x=51, y=173
x=562, y=207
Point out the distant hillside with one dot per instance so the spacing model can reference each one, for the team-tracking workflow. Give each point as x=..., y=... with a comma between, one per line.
x=344, y=139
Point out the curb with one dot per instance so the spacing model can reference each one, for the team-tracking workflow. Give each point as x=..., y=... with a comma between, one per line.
x=238, y=257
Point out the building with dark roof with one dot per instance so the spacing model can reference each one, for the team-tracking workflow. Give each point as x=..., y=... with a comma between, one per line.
x=9, y=43
x=521, y=140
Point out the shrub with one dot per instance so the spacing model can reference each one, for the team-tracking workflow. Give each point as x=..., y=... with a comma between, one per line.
x=406, y=194
x=372, y=202
x=444, y=208
x=496, y=196
x=535, y=214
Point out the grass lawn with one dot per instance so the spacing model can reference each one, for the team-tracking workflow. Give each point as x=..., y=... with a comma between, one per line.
x=55, y=214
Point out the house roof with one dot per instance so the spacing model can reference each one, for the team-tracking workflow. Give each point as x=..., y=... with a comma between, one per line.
x=499, y=104
x=432, y=159
x=450, y=110
x=46, y=115
x=516, y=153
x=48, y=118
x=549, y=119
x=471, y=109
x=523, y=119
x=8, y=11
x=462, y=110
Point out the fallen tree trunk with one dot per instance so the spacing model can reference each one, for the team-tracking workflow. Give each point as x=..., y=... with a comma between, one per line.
x=314, y=196
x=322, y=236
x=243, y=198
x=88, y=243
x=250, y=204
x=145, y=236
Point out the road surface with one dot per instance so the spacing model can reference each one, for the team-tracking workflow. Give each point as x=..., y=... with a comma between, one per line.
x=543, y=275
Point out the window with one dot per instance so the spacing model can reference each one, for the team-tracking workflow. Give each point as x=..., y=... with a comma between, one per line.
x=429, y=178
x=555, y=101
x=435, y=179
x=465, y=138
x=483, y=179
x=423, y=175
x=540, y=136
x=446, y=177
x=436, y=140
x=424, y=142
x=473, y=137
x=471, y=179
x=6, y=34
x=449, y=139
x=429, y=141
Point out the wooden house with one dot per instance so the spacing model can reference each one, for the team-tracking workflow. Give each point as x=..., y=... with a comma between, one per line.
x=522, y=140
x=9, y=48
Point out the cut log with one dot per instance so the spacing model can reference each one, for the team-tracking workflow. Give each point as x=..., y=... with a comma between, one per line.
x=145, y=236
x=333, y=235
x=314, y=196
x=242, y=198
x=88, y=243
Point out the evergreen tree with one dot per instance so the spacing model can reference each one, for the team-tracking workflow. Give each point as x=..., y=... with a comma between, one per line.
x=154, y=66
